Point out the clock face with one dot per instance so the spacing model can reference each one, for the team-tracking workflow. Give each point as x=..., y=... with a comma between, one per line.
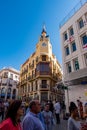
x=44, y=44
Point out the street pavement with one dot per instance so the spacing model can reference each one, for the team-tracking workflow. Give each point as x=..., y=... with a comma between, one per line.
x=61, y=126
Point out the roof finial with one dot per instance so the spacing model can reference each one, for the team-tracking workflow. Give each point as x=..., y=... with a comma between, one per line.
x=44, y=28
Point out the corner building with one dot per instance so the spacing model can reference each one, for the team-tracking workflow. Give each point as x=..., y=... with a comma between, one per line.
x=73, y=32
x=40, y=73
x=9, y=79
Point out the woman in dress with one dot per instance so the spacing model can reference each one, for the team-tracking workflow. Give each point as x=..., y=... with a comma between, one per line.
x=12, y=119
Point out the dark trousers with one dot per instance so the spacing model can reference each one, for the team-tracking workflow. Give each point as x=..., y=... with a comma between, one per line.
x=57, y=118
x=2, y=115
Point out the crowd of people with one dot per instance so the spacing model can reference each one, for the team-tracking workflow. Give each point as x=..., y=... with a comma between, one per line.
x=17, y=115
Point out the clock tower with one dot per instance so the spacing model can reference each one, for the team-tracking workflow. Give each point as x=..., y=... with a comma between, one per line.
x=44, y=46
x=40, y=72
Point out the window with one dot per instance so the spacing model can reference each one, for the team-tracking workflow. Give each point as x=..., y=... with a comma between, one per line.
x=65, y=36
x=73, y=47
x=84, y=39
x=33, y=63
x=76, y=64
x=5, y=74
x=44, y=84
x=44, y=67
x=81, y=23
x=44, y=81
x=44, y=96
x=11, y=76
x=85, y=56
x=44, y=58
x=37, y=59
x=67, y=50
x=71, y=31
x=16, y=77
x=69, y=67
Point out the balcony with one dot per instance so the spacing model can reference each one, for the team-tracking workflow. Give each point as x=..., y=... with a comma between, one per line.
x=44, y=87
x=24, y=72
x=24, y=81
x=5, y=76
x=42, y=73
x=31, y=66
x=76, y=77
x=31, y=77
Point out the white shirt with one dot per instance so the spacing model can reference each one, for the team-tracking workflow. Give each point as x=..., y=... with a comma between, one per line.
x=57, y=107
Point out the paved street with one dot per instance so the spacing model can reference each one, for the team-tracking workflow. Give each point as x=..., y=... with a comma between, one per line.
x=61, y=126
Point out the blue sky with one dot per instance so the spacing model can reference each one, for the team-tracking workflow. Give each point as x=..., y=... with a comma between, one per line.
x=21, y=23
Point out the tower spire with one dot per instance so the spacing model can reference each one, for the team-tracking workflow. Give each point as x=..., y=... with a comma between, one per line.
x=44, y=30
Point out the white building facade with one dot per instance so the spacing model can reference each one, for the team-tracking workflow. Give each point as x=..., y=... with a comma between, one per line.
x=73, y=33
x=9, y=79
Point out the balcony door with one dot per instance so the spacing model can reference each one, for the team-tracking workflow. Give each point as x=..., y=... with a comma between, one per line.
x=44, y=84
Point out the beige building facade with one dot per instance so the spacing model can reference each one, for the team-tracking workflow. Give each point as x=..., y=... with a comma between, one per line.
x=73, y=33
x=40, y=73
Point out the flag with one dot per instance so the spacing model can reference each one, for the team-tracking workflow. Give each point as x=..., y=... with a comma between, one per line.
x=71, y=38
x=85, y=46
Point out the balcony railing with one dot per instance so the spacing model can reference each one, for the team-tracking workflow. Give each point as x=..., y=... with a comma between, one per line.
x=31, y=77
x=43, y=73
x=44, y=86
x=24, y=72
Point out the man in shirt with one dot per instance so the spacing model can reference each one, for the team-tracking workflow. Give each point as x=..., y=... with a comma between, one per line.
x=57, y=111
x=31, y=120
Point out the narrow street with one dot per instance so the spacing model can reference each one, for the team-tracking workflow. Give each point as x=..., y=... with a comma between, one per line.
x=61, y=126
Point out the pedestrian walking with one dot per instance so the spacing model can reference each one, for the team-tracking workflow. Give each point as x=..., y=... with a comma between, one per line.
x=57, y=111
x=51, y=107
x=48, y=118
x=80, y=108
x=12, y=119
x=31, y=120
